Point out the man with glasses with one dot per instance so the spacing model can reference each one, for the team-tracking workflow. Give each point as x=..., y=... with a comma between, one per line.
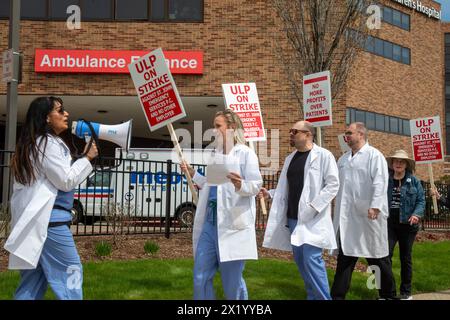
x=300, y=215
x=361, y=212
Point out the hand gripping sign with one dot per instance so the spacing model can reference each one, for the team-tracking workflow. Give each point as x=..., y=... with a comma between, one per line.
x=242, y=98
x=426, y=138
x=159, y=97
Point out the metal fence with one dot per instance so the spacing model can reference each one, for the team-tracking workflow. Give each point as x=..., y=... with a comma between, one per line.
x=127, y=196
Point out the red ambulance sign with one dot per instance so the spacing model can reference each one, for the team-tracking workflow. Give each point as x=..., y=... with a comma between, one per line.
x=242, y=98
x=156, y=90
x=426, y=140
x=317, y=99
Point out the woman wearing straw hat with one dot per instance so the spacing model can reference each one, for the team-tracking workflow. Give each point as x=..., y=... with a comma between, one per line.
x=406, y=206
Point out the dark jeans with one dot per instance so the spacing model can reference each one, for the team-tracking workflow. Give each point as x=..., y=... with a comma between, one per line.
x=405, y=234
x=344, y=270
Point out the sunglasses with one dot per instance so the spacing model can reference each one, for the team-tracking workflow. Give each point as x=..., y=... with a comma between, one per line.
x=295, y=131
x=61, y=110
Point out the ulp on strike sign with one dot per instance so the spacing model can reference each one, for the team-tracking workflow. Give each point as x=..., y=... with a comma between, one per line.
x=426, y=140
x=156, y=90
x=242, y=98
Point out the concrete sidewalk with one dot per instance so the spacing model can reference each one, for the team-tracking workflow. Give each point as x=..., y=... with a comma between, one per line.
x=441, y=295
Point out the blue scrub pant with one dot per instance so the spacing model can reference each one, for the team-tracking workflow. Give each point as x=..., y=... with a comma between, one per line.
x=312, y=268
x=207, y=262
x=59, y=266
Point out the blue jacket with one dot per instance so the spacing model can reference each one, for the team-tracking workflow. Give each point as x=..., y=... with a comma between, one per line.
x=412, y=197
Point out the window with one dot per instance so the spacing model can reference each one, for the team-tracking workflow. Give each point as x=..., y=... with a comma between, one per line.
x=350, y=115
x=131, y=9
x=397, y=53
x=387, y=14
x=58, y=8
x=33, y=9
x=379, y=46
x=406, y=130
x=96, y=9
x=360, y=116
x=388, y=50
x=4, y=9
x=378, y=122
x=405, y=22
x=393, y=125
x=185, y=10
x=447, y=35
x=370, y=120
x=110, y=10
x=158, y=10
x=406, y=56
x=370, y=44
x=396, y=18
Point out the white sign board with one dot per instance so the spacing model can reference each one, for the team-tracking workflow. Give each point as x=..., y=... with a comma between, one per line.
x=156, y=90
x=8, y=63
x=242, y=98
x=317, y=99
x=426, y=138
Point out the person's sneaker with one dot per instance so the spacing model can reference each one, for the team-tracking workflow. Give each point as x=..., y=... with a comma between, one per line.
x=404, y=297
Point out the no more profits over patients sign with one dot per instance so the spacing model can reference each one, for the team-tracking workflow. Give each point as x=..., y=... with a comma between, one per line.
x=317, y=99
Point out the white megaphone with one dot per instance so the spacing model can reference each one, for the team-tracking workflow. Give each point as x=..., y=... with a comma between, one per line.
x=120, y=134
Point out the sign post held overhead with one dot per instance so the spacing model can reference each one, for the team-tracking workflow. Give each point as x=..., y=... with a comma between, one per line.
x=242, y=98
x=159, y=98
x=317, y=101
x=426, y=138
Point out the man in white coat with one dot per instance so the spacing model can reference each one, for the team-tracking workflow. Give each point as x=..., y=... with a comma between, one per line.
x=361, y=212
x=300, y=215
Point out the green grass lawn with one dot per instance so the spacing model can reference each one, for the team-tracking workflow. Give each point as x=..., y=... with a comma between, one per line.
x=265, y=278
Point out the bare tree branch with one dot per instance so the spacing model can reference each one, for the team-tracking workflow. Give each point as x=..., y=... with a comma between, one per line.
x=322, y=35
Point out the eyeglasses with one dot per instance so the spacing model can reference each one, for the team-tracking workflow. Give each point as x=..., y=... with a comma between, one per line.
x=295, y=131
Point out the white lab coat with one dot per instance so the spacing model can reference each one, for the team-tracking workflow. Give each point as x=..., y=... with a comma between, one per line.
x=364, y=182
x=236, y=210
x=31, y=205
x=314, y=224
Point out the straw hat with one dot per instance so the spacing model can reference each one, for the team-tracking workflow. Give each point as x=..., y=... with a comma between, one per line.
x=402, y=154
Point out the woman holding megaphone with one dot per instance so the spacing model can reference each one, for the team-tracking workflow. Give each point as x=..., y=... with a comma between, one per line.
x=41, y=244
x=224, y=226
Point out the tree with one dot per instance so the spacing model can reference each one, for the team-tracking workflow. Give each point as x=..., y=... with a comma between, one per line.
x=323, y=35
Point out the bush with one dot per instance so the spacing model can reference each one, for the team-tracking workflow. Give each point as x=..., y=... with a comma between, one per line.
x=103, y=249
x=151, y=247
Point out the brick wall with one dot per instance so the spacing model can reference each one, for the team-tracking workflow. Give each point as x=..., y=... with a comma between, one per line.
x=239, y=46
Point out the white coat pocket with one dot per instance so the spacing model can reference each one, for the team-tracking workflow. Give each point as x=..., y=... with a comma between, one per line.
x=240, y=217
x=307, y=214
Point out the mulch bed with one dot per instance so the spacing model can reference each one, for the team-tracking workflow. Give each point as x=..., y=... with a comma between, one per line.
x=131, y=247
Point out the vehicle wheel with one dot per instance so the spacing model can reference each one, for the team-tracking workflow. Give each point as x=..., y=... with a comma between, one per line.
x=185, y=216
x=77, y=212
x=78, y=215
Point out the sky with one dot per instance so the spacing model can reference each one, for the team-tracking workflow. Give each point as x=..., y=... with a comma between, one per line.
x=445, y=5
